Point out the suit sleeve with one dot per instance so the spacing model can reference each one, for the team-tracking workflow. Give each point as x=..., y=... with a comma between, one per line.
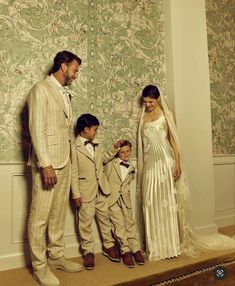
x=107, y=169
x=37, y=104
x=109, y=155
x=74, y=178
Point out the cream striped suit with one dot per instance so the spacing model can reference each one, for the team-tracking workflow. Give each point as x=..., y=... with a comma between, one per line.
x=120, y=208
x=51, y=134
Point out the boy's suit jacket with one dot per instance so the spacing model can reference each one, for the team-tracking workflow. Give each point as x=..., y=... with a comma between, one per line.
x=88, y=172
x=49, y=125
x=117, y=186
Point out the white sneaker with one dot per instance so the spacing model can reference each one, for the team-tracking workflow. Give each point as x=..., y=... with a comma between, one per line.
x=45, y=277
x=64, y=264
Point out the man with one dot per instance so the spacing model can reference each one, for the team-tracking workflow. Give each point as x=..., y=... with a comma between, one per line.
x=50, y=118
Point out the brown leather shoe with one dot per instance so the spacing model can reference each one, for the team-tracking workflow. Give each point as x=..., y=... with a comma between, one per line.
x=139, y=258
x=89, y=261
x=128, y=260
x=111, y=253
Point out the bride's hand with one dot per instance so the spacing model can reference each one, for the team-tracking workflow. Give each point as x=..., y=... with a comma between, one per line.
x=176, y=172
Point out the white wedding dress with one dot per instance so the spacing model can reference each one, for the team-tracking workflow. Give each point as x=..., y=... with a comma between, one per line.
x=159, y=192
x=163, y=206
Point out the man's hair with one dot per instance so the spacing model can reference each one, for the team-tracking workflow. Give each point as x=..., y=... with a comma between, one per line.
x=126, y=143
x=63, y=57
x=86, y=120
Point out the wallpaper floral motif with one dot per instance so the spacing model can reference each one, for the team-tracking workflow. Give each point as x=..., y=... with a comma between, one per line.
x=126, y=51
x=121, y=44
x=31, y=33
x=221, y=45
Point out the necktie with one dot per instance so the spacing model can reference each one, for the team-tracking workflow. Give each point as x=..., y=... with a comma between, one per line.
x=90, y=142
x=124, y=164
x=66, y=98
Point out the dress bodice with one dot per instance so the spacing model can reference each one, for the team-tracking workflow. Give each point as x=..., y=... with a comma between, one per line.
x=155, y=139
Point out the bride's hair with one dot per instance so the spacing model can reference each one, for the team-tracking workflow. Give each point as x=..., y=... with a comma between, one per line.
x=151, y=91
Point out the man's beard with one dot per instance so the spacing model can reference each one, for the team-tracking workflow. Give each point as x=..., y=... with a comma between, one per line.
x=67, y=80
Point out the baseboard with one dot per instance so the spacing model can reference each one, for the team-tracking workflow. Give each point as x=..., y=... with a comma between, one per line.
x=207, y=229
x=224, y=221
x=18, y=260
x=15, y=260
x=72, y=250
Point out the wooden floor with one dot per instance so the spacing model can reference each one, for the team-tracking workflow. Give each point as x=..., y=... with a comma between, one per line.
x=107, y=272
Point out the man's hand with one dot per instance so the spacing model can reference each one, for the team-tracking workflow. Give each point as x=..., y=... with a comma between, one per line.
x=78, y=202
x=48, y=177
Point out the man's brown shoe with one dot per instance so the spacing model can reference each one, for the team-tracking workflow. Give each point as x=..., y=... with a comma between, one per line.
x=89, y=261
x=111, y=253
x=139, y=259
x=128, y=260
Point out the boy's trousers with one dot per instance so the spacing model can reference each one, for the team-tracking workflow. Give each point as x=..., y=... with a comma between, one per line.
x=98, y=208
x=123, y=226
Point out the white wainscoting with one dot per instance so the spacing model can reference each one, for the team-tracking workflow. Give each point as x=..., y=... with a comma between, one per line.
x=224, y=176
x=15, y=197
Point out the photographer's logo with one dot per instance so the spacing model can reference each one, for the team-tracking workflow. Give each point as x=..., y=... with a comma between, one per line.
x=219, y=272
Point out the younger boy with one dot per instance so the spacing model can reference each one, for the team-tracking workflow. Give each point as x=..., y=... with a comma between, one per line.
x=120, y=172
x=90, y=189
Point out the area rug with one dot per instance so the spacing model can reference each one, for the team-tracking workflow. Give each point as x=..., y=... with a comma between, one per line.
x=219, y=271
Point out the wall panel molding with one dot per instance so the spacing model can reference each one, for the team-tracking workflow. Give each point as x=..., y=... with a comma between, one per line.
x=224, y=175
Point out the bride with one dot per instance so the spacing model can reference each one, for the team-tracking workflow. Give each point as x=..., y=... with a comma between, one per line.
x=163, y=194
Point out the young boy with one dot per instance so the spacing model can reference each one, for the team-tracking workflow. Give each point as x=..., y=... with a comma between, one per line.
x=120, y=172
x=90, y=189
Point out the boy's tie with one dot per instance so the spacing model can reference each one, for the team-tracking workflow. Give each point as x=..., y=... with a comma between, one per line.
x=124, y=164
x=90, y=142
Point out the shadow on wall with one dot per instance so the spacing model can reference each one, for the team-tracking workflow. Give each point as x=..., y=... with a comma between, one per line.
x=25, y=148
x=25, y=135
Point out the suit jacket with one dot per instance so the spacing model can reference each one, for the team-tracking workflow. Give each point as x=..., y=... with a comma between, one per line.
x=117, y=186
x=49, y=125
x=88, y=172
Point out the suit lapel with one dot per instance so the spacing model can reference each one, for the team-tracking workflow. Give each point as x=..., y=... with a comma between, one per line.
x=81, y=148
x=57, y=96
x=131, y=170
x=117, y=168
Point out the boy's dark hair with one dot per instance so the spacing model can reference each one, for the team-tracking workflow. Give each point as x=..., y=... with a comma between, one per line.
x=86, y=120
x=63, y=57
x=126, y=143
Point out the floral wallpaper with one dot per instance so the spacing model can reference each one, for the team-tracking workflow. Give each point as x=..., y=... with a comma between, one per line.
x=221, y=46
x=121, y=44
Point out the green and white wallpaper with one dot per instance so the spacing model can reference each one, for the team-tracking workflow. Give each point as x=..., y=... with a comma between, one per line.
x=121, y=44
x=221, y=46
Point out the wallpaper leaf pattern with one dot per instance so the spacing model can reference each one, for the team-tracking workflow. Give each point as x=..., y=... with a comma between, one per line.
x=126, y=51
x=221, y=46
x=121, y=44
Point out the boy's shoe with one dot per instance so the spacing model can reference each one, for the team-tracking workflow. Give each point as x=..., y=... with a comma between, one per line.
x=45, y=277
x=64, y=264
x=89, y=261
x=128, y=260
x=111, y=253
x=139, y=258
